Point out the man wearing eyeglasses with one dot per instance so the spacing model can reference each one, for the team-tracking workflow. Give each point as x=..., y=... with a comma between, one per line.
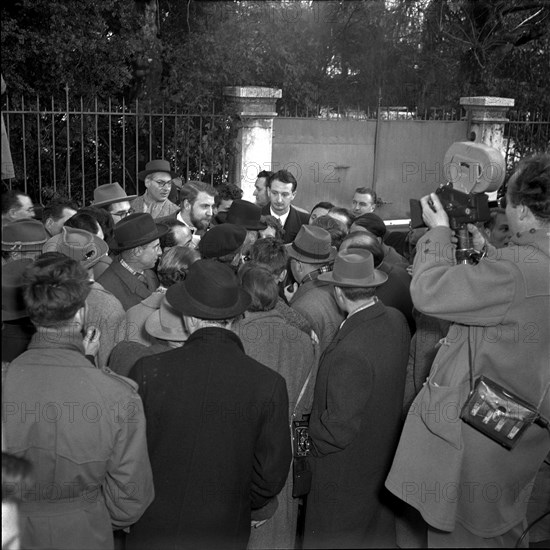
x=282, y=190
x=157, y=178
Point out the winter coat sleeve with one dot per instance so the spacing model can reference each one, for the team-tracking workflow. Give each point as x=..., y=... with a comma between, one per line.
x=469, y=294
x=334, y=428
x=128, y=486
x=273, y=453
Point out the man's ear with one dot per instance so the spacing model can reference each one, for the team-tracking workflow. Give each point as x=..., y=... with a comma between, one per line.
x=48, y=224
x=186, y=205
x=80, y=316
x=339, y=296
x=191, y=323
x=282, y=276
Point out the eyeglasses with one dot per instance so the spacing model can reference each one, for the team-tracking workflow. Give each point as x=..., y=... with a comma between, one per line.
x=162, y=184
x=123, y=213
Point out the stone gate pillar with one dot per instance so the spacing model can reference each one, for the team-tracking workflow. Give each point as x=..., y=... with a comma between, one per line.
x=255, y=108
x=486, y=119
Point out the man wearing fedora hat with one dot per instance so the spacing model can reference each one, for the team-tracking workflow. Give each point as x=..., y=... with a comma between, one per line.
x=103, y=310
x=23, y=239
x=356, y=416
x=157, y=178
x=131, y=277
x=113, y=198
x=217, y=424
x=311, y=254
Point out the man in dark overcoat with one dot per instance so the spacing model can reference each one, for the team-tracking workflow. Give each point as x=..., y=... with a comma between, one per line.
x=217, y=424
x=356, y=417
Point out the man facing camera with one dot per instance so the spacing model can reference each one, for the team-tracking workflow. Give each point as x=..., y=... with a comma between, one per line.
x=282, y=191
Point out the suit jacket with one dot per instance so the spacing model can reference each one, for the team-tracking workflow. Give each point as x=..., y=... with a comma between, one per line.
x=218, y=438
x=295, y=220
x=159, y=210
x=354, y=427
x=127, y=287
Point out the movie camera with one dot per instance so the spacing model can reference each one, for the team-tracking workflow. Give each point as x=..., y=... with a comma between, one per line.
x=471, y=169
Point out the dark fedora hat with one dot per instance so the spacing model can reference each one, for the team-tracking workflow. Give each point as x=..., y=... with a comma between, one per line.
x=354, y=268
x=24, y=235
x=210, y=291
x=80, y=245
x=245, y=213
x=13, y=304
x=312, y=245
x=222, y=240
x=136, y=230
x=373, y=223
x=109, y=194
x=158, y=165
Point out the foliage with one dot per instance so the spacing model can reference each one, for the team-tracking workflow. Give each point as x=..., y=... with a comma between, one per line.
x=87, y=44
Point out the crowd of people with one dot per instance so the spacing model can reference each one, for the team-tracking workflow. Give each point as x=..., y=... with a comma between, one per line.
x=189, y=369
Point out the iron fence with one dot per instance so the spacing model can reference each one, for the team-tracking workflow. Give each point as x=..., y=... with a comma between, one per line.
x=68, y=150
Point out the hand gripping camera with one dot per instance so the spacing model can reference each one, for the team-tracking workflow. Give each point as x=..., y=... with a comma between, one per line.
x=471, y=169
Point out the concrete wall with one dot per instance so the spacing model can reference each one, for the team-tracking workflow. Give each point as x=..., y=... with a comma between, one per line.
x=330, y=158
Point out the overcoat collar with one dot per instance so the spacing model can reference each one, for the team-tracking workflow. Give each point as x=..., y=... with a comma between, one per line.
x=66, y=339
x=214, y=335
x=131, y=281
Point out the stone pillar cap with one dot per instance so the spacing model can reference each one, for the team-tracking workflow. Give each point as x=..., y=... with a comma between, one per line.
x=487, y=101
x=258, y=92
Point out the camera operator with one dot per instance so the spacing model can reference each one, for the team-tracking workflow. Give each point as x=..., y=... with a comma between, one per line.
x=471, y=490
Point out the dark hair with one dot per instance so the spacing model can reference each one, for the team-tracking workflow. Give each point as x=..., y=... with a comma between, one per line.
x=323, y=204
x=10, y=199
x=491, y=222
x=227, y=192
x=174, y=263
x=530, y=186
x=54, y=209
x=364, y=240
x=83, y=220
x=274, y=222
x=191, y=190
x=335, y=227
x=354, y=294
x=343, y=212
x=104, y=219
x=264, y=174
x=367, y=191
x=260, y=284
x=271, y=252
x=371, y=222
x=56, y=287
x=284, y=176
x=15, y=471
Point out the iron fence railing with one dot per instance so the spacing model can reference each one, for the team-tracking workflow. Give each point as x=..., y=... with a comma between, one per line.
x=70, y=149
